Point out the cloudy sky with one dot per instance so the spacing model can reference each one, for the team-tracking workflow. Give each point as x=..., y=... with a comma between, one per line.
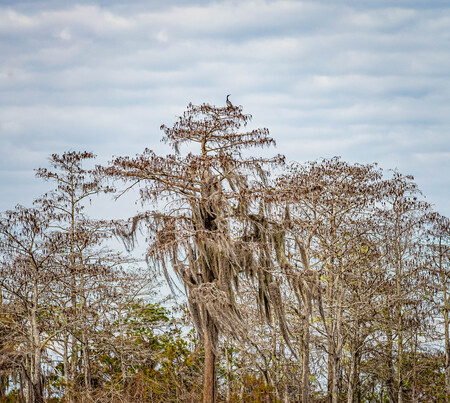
x=368, y=80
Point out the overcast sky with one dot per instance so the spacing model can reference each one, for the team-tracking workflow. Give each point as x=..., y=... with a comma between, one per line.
x=366, y=80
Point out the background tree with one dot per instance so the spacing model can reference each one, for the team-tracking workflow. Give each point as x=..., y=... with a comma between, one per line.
x=86, y=265
x=28, y=278
x=327, y=232
x=401, y=227
x=56, y=277
x=438, y=273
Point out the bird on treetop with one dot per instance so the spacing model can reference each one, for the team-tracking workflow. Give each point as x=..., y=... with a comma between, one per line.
x=229, y=104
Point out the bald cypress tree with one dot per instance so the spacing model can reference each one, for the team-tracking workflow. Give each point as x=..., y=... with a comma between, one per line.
x=210, y=229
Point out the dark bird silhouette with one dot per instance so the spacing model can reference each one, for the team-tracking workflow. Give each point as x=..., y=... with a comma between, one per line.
x=229, y=104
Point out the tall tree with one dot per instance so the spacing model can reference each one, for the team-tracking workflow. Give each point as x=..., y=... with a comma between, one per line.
x=83, y=260
x=204, y=228
x=402, y=221
x=327, y=230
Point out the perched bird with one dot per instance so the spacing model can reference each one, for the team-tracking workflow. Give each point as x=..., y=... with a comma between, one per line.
x=229, y=104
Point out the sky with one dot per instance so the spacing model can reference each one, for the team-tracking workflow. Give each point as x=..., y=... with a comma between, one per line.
x=367, y=80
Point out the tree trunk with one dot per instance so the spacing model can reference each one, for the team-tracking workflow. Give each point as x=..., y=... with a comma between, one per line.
x=286, y=394
x=209, y=370
x=35, y=361
x=73, y=341
x=3, y=377
x=335, y=378
x=390, y=365
x=26, y=380
x=35, y=365
x=85, y=341
x=305, y=351
x=400, y=355
x=447, y=354
x=353, y=383
x=86, y=364
x=446, y=324
x=22, y=383
x=307, y=302
x=337, y=350
x=3, y=380
x=229, y=364
x=357, y=380
x=330, y=372
x=351, y=380
x=123, y=368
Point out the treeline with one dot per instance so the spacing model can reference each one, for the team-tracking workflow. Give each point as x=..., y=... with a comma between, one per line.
x=318, y=282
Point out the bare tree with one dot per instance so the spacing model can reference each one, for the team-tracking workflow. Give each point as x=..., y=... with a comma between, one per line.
x=88, y=265
x=28, y=275
x=437, y=263
x=327, y=231
x=401, y=223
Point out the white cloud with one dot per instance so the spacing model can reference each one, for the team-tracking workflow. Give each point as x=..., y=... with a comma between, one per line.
x=65, y=34
x=387, y=18
x=12, y=21
x=367, y=80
